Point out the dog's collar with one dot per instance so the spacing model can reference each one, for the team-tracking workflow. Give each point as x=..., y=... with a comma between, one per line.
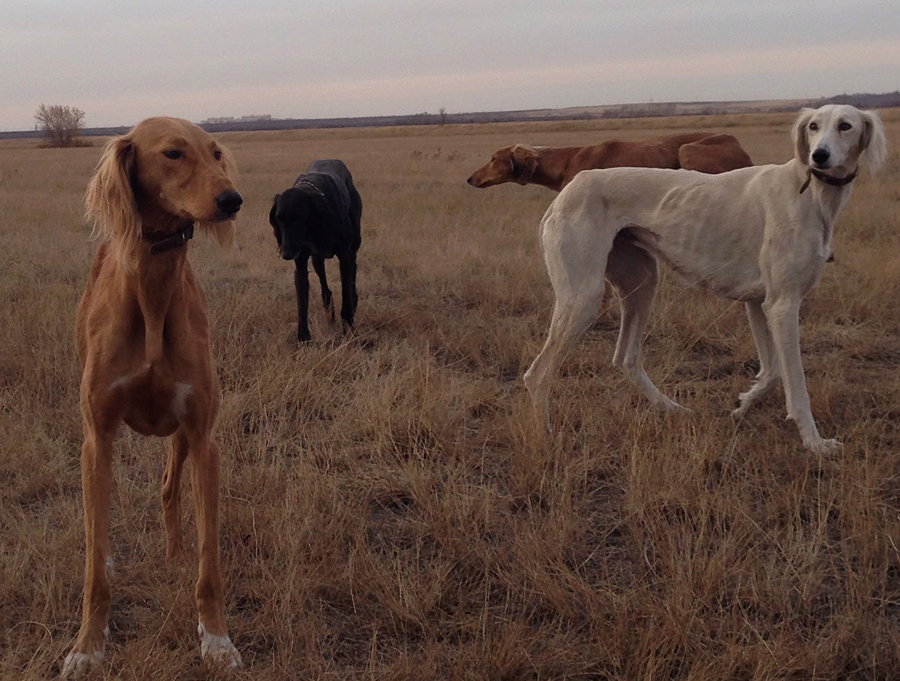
x=167, y=243
x=310, y=184
x=827, y=179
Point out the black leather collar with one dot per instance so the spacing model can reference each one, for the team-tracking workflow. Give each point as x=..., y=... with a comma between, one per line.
x=828, y=179
x=167, y=243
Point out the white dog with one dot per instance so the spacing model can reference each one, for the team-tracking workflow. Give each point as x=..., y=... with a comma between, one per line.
x=760, y=235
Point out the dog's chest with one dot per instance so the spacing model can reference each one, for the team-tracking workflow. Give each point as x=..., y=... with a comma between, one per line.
x=153, y=404
x=320, y=250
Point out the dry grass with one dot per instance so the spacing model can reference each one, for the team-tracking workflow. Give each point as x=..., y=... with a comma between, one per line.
x=392, y=511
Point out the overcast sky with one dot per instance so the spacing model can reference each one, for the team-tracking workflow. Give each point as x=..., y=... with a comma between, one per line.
x=123, y=61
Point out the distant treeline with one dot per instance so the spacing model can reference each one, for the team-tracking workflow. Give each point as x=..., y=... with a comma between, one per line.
x=862, y=100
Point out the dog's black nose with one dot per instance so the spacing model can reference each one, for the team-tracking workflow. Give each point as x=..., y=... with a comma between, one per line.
x=821, y=156
x=229, y=202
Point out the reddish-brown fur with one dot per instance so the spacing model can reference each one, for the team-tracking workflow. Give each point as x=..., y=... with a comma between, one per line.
x=554, y=167
x=143, y=342
x=714, y=154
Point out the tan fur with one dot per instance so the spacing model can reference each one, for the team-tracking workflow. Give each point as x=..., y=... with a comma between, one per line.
x=760, y=235
x=555, y=167
x=143, y=342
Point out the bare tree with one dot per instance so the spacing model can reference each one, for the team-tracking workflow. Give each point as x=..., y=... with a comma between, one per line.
x=442, y=112
x=62, y=125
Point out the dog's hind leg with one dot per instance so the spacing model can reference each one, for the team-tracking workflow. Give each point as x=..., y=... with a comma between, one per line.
x=96, y=480
x=575, y=255
x=635, y=274
x=171, y=493
x=319, y=267
x=769, y=375
x=348, y=288
x=571, y=317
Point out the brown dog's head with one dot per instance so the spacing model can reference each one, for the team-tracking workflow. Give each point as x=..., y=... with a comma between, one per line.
x=509, y=164
x=164, y=173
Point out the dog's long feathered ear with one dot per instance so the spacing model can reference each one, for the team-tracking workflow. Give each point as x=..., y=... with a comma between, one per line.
x=872, y=143
x=798, y=134
x=524, y=162
x=109, y=201
x=273, y=221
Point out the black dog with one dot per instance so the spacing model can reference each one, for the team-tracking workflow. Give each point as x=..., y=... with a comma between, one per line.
x=319, y=217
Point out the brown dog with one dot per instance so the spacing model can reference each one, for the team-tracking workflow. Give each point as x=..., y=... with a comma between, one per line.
x=555, y=167
x=143, y=342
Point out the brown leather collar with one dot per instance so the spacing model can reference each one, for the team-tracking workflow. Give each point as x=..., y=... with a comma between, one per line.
x=828, y=179
x=161, y=244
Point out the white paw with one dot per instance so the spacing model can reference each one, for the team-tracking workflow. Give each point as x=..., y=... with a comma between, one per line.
x=825, y=447
x=670, y=405
x=79, y=665
x=218, y=650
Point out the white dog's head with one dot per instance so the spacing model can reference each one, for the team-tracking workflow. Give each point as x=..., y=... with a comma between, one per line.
x=839, y=136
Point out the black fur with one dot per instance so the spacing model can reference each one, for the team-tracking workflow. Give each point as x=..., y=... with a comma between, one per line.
x=319, y=217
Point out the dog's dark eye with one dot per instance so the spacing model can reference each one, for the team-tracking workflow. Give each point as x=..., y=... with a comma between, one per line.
x=844, y=126
x=173, y=154
x=217, y=155
x=813, y=126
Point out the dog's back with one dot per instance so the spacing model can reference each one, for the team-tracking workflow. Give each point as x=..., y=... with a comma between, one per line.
x=714, y=154
x=333, y=178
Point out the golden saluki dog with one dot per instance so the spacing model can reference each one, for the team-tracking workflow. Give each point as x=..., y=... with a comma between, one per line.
x=143, y=341
x=760, y=235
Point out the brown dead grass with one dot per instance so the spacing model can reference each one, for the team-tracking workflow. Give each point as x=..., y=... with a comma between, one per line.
x=390, y=508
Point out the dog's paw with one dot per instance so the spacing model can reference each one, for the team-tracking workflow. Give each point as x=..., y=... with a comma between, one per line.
x=218, y=651
x=824, y=447
x=671, y=406
x=79, y=665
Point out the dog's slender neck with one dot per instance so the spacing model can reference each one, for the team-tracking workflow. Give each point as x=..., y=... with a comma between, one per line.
x=552, y=163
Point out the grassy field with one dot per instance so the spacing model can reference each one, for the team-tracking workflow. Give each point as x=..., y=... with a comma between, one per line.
x=391, y=510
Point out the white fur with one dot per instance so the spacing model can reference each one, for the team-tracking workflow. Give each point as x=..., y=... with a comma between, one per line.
x=122, y=381
x=219, y=650
x=179, y=404
x=749, y=235
x=79, y=665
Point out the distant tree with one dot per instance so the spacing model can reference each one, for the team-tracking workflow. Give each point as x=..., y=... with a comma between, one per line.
x=62, y=125
x=442, y=112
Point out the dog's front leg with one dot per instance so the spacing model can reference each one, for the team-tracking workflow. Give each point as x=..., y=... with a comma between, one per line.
x=319, y=266
x=769, y=375
x=783, y=316
x=215, y=645
x=96, y=475
x=348, y=287
x=301, y=284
